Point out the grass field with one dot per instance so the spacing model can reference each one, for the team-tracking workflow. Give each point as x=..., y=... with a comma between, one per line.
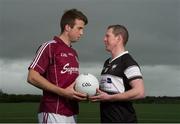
x=89, y=112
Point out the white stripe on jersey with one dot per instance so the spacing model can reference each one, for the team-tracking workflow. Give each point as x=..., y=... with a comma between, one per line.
x=111, y=83
x=132, y=71
x=39, y=53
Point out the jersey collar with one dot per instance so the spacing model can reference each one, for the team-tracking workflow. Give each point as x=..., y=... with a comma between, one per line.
x=60, y=41
x=125, y=52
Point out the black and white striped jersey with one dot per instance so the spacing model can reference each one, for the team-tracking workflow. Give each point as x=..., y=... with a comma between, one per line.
x=117, y=73
x=115, y=78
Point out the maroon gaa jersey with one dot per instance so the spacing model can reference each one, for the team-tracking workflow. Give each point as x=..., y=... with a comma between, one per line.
x=58, y=63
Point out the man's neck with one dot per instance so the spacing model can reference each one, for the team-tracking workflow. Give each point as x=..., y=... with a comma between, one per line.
x=65, y=39
x=115, y=53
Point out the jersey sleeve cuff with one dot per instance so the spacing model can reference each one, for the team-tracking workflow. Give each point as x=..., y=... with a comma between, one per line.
x=38, y=69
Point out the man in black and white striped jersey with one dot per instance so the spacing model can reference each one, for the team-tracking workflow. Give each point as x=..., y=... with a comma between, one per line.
x=121, y=79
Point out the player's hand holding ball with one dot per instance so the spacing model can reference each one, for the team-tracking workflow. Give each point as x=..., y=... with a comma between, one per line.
x=87, y=83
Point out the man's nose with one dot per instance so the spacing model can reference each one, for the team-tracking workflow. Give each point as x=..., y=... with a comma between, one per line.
x=81, y=32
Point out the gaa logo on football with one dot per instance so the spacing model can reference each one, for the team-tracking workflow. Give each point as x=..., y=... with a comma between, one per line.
x=86, y=84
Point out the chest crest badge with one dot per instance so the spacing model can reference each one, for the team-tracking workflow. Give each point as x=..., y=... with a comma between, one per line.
x=114, y=66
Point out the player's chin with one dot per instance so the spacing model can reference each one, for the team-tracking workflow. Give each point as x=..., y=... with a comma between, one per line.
x=78, y=38
x=107, y=49
x=75, y=40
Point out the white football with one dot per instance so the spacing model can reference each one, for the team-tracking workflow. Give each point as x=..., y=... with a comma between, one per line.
x=87, y=83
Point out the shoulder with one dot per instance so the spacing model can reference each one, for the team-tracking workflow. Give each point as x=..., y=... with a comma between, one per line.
x=107, y=61
x=44, y=46
x=131, y=67
x=52, y=46
x=52, y=43
x=47, y=43
x=128, y=60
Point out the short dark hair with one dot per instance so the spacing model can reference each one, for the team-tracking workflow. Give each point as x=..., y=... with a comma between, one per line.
x=69, y=17
x=120, y=30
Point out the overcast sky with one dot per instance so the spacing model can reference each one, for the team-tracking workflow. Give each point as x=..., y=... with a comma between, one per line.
x=154, y=28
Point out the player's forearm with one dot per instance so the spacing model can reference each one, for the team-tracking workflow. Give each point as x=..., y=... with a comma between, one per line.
x=132, y=94
x=37, y=80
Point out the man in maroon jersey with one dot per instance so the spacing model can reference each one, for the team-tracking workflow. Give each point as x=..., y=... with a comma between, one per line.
x=54, y=70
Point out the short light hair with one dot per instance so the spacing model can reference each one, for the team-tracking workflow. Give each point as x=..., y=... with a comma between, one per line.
x=120, y=30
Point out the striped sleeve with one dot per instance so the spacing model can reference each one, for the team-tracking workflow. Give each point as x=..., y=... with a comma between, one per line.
x=131, y=69
x=41, y=60
x=133, y=72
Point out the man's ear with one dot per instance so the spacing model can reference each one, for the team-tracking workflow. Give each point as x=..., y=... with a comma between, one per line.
x=67, y=28
x=120, y=37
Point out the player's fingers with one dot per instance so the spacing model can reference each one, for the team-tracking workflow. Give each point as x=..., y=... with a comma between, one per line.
x=80, y=98
x=80, y=94
x=94, y=98
x=99, y=91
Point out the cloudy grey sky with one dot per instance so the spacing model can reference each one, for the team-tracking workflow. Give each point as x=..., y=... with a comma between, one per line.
x=154, y=27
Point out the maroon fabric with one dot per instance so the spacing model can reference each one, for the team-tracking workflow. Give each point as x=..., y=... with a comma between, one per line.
x=58, y=63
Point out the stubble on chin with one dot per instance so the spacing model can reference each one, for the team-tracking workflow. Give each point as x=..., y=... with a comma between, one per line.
x=74, y=41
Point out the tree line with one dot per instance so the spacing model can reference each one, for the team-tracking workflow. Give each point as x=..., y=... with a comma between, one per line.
x=8, y=98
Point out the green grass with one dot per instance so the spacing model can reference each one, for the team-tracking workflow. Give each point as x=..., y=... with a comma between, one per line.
x=89, y=112
x=18, y=112
x=159, y=113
